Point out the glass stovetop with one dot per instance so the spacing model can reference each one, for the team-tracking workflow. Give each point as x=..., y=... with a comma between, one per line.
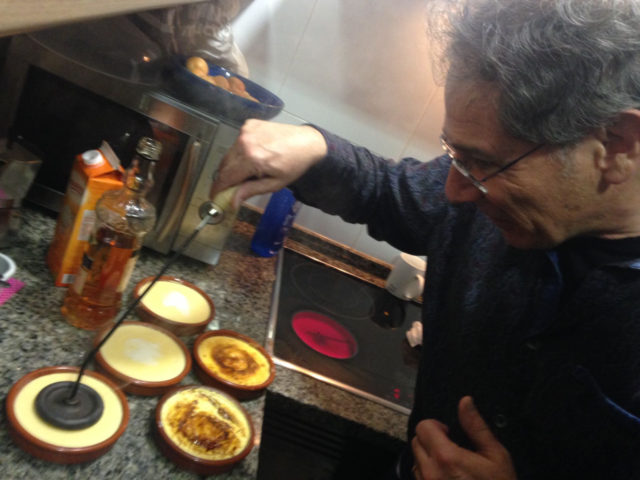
x=343, y=330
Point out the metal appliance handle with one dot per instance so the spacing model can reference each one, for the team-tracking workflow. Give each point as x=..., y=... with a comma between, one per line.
x=170, y=223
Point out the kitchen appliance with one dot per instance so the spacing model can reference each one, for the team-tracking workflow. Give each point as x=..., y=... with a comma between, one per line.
x=57, y=107
x=343, y=330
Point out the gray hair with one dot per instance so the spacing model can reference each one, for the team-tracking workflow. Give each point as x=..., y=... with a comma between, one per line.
x=562, y=67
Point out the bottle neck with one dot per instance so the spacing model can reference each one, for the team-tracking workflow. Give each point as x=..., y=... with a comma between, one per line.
x=139, y=176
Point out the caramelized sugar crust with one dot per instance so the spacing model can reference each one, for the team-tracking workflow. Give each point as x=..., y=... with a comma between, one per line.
x=234, y=360
x=206, y=425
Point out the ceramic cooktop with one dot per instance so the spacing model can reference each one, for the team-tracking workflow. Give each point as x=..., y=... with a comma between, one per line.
x=343, y=330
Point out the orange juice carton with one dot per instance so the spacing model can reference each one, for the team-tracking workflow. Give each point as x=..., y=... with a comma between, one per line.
x=93, y=173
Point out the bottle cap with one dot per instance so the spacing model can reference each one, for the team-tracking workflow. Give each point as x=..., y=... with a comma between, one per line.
x=92, y=158
x=149, y=148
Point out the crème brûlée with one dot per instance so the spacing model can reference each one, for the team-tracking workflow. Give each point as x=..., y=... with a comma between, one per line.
x=144, y=352
x=234, y=360
x=102, y=430
x=205, y=423
x=176, y=301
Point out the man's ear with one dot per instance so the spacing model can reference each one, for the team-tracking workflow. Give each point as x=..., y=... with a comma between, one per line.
x=622, y=147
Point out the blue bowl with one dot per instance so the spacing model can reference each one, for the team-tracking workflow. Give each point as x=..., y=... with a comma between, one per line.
x=215, y=100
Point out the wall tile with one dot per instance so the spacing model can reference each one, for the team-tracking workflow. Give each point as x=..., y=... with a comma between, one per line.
x=375, y=248
x=268, y=33
x=358, y=71
x=330, y=226
x=424, y=144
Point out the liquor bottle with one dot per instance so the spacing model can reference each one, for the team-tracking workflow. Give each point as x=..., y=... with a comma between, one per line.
x=275, y=223
x=123, y=217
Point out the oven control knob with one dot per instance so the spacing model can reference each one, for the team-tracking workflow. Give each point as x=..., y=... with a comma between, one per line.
x=215, y=212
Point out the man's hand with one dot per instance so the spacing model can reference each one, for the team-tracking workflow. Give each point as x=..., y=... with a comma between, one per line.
x=266, y=157
x=437, y=457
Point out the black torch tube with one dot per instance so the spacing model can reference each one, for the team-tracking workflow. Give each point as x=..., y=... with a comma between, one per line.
x=133, y=304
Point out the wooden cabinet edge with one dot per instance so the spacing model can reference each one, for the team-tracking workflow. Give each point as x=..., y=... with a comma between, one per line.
x=21, y=16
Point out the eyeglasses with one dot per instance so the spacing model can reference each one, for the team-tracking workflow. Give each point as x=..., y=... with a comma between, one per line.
x=464, y=167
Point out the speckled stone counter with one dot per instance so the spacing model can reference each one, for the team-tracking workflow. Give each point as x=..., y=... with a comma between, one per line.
x=34, y=334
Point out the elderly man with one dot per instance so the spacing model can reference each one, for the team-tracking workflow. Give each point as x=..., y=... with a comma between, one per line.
x=531, y=221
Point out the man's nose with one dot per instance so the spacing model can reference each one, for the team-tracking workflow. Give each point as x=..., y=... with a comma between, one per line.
x=459, y=188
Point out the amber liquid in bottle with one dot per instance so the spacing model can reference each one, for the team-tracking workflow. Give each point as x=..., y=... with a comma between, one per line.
x=106, y=269
x=123, y=217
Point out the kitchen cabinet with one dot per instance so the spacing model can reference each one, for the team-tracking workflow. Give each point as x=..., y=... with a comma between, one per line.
x=21, y=16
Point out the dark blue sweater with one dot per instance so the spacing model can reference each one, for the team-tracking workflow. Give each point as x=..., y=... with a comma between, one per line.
x=557, y=377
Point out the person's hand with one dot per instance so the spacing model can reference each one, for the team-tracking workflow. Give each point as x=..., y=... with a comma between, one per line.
x=266, y=157
x=437, y=457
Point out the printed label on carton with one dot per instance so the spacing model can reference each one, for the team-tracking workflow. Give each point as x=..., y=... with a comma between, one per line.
x=77, y=186
x=87, y=183
x=86, y=226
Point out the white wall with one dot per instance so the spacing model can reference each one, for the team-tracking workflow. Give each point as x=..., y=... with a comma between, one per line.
x=359, y=68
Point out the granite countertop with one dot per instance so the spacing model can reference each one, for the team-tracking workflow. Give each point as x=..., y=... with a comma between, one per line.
x=34, y=334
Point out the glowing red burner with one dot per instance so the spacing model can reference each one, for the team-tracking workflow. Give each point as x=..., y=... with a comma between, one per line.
x=324, y=335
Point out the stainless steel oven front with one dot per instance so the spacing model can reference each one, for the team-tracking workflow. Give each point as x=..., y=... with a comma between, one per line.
x=58, y=108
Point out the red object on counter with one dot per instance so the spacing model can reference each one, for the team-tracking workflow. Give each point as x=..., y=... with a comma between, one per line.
x=14, y=286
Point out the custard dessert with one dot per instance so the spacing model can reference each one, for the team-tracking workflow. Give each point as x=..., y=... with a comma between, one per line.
x=106, y=428
x=143, y=352
x=205, y=423
x=234, y=360
x=176, y=301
